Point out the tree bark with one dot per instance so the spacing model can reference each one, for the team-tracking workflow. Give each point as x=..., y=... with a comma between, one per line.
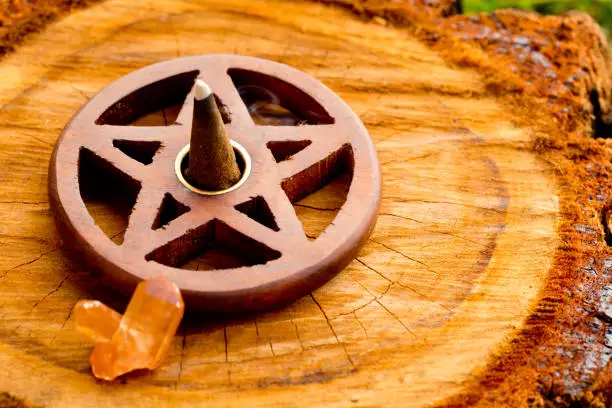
x=487, y=279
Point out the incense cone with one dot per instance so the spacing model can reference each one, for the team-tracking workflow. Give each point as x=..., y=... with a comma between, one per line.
x=212, y=162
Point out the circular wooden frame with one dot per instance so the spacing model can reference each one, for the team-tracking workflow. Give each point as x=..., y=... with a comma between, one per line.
x=292, y=265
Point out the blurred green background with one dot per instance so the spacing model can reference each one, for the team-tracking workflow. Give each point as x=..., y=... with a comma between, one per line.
x=601, y=10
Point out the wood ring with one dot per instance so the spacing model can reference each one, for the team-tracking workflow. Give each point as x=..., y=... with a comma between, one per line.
x=284, y=264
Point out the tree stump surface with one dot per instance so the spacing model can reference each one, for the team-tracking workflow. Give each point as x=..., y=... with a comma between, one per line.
x=487, y=280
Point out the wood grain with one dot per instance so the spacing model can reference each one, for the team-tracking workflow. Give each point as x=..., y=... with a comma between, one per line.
x=468, y=230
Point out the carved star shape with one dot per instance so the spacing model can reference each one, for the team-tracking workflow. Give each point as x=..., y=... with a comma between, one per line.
x=277, y=183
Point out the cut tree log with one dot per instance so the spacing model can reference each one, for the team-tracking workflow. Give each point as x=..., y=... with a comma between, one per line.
x=487, y=280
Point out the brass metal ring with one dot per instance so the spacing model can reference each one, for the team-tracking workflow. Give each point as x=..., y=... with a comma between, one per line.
x=246, y=171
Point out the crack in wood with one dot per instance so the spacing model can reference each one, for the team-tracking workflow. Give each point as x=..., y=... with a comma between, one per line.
x=348, y=356
x=25, y=202
x=182, y=357
x=226, y=343
x=402, y=217
x=396, y=317
x=31, y=261
x=374, y=299
x=453, y=235
x=391, y=283
x=176, y=37
x=297, y=334
x=53, y=291
x=401, y=285
x=316, y=208
x=22, y=264
x=406, y=256
x=374, y=270
x=66, y=319
x=229, y=365
x=80, y=91
x=361, y=324
x=403, y=160
x=404, y=200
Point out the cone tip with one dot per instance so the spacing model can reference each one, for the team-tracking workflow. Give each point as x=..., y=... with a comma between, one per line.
x=202, y=90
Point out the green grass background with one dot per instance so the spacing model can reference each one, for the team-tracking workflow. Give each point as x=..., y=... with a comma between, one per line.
x=601, y=10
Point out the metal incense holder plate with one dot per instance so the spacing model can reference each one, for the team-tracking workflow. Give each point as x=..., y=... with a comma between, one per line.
x=169, y=224
x=242, y=155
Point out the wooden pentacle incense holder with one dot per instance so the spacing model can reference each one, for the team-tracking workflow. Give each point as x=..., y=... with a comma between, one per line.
x=315, y=138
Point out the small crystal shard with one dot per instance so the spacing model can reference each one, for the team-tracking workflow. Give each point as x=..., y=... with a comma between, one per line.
x=96, y=320
x=141, y=338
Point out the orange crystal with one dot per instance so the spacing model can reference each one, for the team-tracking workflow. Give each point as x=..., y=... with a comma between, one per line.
x=96, y=320
x=141, y=338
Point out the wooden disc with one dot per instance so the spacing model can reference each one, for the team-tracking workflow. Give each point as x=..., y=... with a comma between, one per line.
x=451, y=289
x=256, y=220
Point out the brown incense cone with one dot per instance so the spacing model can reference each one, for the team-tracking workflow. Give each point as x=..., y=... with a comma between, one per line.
x=212, y=162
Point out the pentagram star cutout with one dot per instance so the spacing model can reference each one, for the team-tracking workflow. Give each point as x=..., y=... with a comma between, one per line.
x=339, y=144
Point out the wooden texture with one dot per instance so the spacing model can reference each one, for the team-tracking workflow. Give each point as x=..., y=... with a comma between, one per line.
x=18, y=18
x=283, y=264
x=442, y=302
